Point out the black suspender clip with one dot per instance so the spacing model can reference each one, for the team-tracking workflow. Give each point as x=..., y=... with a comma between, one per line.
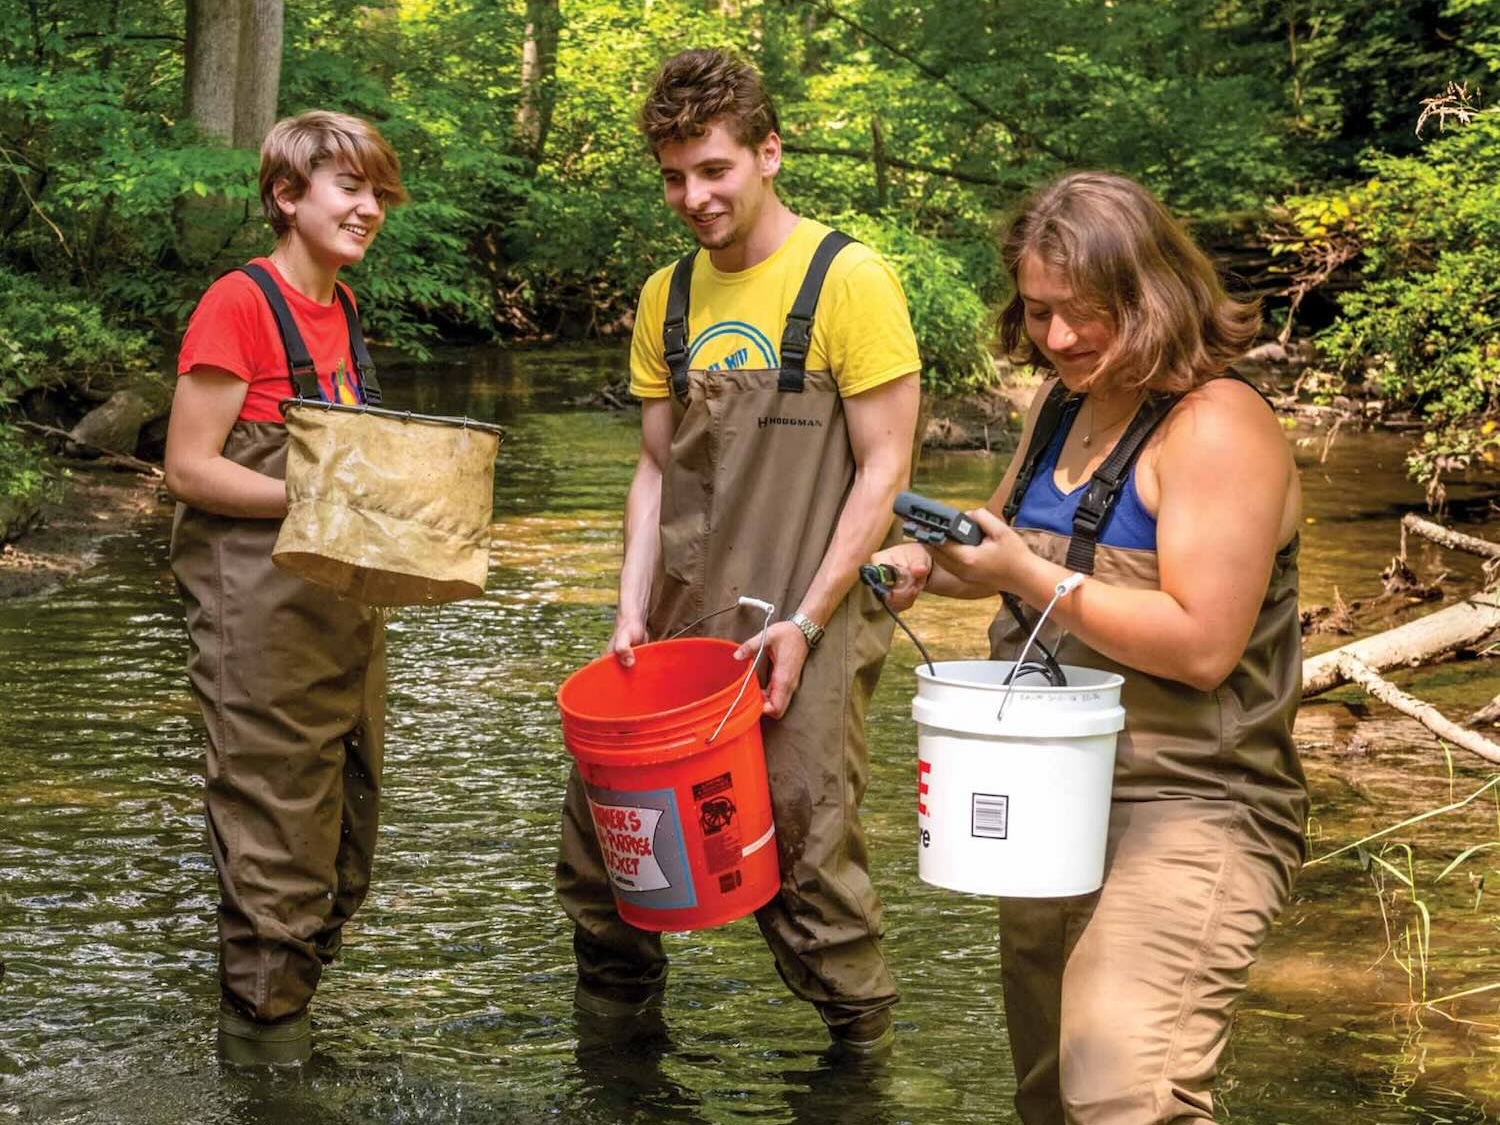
x=1095, y=504
x=304, y=374
x=796, y=339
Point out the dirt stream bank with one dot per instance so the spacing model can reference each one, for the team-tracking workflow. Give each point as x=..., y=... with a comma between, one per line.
x=96, y=503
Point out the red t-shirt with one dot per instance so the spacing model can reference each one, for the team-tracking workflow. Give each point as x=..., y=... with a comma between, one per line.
x=234, y=330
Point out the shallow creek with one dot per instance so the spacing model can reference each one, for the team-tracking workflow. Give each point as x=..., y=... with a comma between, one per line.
x=452, y=1001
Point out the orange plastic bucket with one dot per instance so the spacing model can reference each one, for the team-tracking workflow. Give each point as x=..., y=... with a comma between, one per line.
x=684, y=823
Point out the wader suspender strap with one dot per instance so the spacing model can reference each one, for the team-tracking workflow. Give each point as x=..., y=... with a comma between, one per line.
x=304, y=373
x=364, y=366
x=796, y=338
x=674, y=329
x=1053, y=409
x=1108, y=482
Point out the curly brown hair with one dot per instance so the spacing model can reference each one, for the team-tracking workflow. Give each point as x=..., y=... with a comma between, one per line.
x=1129, y=262
x=695, y=88
x=297, y=146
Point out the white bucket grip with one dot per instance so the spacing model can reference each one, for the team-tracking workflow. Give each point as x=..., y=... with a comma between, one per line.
x=1014, y=804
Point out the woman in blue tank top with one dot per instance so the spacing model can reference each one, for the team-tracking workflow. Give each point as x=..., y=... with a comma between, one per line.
x=1046, y=507
x=1165, y=498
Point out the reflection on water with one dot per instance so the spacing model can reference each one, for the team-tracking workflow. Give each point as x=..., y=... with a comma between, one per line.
x=452, y=1001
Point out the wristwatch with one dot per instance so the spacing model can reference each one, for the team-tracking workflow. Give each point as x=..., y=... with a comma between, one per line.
x=810, y=628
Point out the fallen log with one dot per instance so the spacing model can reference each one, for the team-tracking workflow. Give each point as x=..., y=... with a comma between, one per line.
x=1486, y=716
x=98, y=453
x=1464, y=624
x=1425, y=713
x=1447, y=537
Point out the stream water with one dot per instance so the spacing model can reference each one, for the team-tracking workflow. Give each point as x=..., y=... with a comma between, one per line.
x=452, y=999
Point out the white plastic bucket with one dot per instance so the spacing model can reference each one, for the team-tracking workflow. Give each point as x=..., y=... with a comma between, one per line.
x=1017, y=805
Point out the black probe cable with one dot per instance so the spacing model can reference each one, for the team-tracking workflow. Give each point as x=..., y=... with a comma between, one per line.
x=1047, y=666
x=879, y=576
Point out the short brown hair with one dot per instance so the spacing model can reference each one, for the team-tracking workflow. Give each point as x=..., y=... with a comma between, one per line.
x=297, y=146
x=695, y=88
x=1127, y=260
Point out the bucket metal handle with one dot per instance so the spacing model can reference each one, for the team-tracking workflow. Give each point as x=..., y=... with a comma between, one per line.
x=748, y=602
x=765, y=628
x=1060, y=591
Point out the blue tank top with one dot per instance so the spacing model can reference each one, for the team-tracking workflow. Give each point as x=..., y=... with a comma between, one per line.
x=1045, y=507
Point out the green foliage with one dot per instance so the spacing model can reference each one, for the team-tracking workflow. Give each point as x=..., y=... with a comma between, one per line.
x=1358, y=66
x=1424, y=328
x=951, y=321
x=913, y=123
x=22, y=479
x=48, y=332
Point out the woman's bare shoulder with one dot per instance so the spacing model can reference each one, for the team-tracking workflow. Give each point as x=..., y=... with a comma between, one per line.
x=1223, y=414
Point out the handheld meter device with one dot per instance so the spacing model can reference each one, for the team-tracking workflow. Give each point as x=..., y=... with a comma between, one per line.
x=928, y=521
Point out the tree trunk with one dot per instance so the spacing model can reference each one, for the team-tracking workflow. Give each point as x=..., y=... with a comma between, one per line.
x=1461, y=625
x=882, y=176
x=213, y=49
x=259, y=80
x=538, y=64
x=234, y=67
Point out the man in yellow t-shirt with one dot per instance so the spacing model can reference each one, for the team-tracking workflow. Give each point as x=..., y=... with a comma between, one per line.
x=778, y=375
x=862, y=333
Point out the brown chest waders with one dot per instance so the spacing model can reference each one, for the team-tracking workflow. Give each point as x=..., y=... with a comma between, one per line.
x=1118, y=1004
x=290, y=680
x=759, y=471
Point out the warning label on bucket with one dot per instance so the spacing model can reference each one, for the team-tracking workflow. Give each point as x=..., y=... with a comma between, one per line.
x=718, y=821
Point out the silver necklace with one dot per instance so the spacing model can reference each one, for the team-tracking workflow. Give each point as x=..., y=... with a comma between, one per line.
x=1088, y=437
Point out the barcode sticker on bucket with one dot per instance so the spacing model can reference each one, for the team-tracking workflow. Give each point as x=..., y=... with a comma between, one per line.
x=991, y=816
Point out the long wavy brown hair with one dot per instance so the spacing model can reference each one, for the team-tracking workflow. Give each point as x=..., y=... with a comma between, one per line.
x=695, y=88
x=1128, y=261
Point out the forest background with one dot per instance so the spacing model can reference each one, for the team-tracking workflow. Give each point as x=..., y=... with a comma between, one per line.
x=1286, y=131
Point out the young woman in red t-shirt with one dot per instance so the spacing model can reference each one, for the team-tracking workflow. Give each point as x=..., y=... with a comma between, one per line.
x=289, y=677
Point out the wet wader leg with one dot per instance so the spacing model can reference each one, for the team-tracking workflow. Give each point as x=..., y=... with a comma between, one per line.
x=1150, y=990
x=1036, y=937
x=275, y=822
x=277, y=669
x=824, y=926
x=1131, y=1031
x=618, y=964
x=364, y=758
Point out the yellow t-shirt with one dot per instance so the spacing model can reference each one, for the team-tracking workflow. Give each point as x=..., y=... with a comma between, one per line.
x=861, y=330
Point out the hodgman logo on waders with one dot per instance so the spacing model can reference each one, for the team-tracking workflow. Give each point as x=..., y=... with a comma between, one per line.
x=780, y=420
